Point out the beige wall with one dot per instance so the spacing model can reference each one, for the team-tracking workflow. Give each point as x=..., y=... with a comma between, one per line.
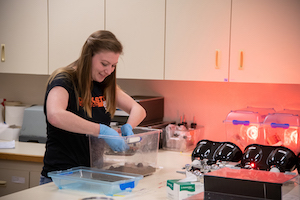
x=25, y=88
x=209, y=102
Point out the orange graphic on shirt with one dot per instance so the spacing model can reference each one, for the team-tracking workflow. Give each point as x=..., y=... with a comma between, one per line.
x=95, y=101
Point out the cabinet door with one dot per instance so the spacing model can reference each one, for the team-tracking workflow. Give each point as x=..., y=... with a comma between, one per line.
x=34, y=178
x=23, y=36
x=13, y=181
x=197, y=40
x=267, y=33
x=139, y=25
x=70, y=24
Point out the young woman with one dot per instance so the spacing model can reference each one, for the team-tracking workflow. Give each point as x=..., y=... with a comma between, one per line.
x=80, y=100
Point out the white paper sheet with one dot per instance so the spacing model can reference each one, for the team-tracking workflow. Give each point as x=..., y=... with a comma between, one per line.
x=8, y=144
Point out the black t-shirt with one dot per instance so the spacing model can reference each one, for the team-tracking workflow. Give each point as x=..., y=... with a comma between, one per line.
x=64, y=149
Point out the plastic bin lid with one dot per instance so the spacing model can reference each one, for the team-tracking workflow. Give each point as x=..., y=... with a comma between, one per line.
x=243, y=117
x=294, y=112
x=282, y=120
x=262, y=111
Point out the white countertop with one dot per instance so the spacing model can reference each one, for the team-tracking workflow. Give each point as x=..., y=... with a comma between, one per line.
x=152, y=187
x=24, y=151
x=26, y=148
x=149, y=188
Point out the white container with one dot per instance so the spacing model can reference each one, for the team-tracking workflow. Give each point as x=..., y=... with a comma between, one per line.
x=14, y=114
x=9, y=134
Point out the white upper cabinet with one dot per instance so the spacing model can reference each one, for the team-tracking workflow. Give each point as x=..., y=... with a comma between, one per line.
x=70, y=24
x=23, y=36
x=268, y=35
x=197, y=40
x=139, y=25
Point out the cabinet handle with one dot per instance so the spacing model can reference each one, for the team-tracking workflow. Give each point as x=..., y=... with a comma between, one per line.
x=2, y=183
x=241, y=60
x=217, y=59
x=2, y=52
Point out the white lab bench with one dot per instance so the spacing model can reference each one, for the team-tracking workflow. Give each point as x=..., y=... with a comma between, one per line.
x=149, y=188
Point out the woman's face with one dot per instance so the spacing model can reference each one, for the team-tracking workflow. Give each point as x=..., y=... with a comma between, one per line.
x=103, y=64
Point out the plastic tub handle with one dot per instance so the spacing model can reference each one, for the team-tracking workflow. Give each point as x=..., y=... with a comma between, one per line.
x=124, y=186
x=275, y=125
x=238, y=122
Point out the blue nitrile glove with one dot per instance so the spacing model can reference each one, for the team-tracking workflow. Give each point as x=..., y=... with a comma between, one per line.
x=112, y=138
x=126, y=130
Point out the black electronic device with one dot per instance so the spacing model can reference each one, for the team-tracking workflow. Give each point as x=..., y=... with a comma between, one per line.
x=263, y=157
x=216, y=151
x=298, y=163
x=228, y=151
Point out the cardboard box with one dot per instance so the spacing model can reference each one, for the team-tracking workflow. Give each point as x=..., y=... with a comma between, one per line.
x=181, y=190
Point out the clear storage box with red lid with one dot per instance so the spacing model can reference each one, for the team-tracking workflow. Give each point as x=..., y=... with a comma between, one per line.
x=282, y=129
x=243, y=127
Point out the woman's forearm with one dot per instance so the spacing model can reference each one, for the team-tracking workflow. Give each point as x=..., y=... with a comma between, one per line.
x=70, y=122
x=136, y=116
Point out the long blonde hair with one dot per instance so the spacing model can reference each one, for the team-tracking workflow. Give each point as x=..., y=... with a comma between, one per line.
x=79, y=72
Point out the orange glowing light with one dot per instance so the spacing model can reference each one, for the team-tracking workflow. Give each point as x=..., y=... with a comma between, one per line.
x=290, y=137
x=252, y=132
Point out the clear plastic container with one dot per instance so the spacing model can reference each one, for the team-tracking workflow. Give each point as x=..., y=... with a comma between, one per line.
x=178, y=138
x=263, y=112
x=243, y=127
x=282, y=129
x=95, y=180
x=140, y=158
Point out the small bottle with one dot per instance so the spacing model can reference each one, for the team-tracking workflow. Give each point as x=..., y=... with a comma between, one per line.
x=194, y=124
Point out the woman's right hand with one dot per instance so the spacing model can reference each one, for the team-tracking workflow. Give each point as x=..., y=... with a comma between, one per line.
x=116, y=142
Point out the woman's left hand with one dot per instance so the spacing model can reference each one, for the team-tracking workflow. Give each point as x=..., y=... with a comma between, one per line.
x=126, y=130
